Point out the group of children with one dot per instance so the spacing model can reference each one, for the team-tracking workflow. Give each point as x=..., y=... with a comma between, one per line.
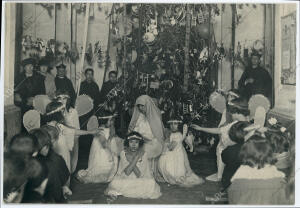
x=53, y=148
x=45, y=158
x=249, y=156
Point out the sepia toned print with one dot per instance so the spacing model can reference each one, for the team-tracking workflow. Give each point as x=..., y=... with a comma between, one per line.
x=149, y=103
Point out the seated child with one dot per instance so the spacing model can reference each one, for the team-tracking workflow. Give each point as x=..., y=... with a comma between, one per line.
x=230, y=155
x=36, y=185
x=134, y=178
x=25, y=144
x=280, y=145
x=15, y=175
x=257, y=181
x=59, y=174
x=103, y=163
x=173, y=164
x=238, y=111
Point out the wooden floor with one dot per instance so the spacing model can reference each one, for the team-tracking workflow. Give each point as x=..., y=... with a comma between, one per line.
x=202, y=164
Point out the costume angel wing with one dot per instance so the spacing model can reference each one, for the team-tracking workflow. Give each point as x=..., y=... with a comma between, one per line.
x=190, y=142
x=217, y=101
x=260, y=116
x=116, y=145
x=259, y=106
x=32, y=120
x=40, y=103
x=258, y=101
x=92, y=123
x=84, y=104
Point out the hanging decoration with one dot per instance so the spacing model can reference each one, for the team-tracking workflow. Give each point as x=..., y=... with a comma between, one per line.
x=162, y=54
x=53, y=50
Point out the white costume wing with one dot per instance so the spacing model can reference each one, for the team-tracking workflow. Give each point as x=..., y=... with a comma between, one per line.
x=40, y=102
x=258, y=100
x=190, y=142
x=260, y=116
x=217, y=101
x=84, y=104
x=32, y=120
x=116, y=145
x=92, y=123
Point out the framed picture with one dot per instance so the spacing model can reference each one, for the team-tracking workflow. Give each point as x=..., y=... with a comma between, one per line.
x=288, y=49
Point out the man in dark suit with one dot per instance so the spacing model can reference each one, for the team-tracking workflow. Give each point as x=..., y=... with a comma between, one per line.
x=62, y=83
x=28, y=84
x=89, y=86
x=108, y=86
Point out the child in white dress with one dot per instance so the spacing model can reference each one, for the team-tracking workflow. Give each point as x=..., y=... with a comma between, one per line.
x=55, y=117
x=103, y=163
x=237, y=110
x=72, y=120
x=173, y=163
x=134, y=178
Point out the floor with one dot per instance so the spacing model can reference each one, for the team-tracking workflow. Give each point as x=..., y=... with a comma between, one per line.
x=203, y=164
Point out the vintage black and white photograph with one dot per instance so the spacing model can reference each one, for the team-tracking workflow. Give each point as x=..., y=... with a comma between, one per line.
x=186, y=103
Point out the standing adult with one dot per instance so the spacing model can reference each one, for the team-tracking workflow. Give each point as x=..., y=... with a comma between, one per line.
x=27, y=85
x=108, y=86
x=89, y=86
x=62, y=83
x=255, y=79
x=146, y=120
x=47, y=74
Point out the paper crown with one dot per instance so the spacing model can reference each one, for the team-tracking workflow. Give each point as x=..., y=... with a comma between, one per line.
x=56, y=110
x=174, y=121
x=134, y=137
x=62, y=96
x=106, y=117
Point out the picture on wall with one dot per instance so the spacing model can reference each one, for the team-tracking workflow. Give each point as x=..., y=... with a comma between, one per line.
x=288, y=49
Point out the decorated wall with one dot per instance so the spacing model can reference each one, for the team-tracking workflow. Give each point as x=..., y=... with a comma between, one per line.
x=45, y=22
x=249, y=28
x=285, y=93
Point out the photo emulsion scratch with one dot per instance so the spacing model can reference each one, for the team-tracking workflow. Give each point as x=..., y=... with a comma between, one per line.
x=149, y=103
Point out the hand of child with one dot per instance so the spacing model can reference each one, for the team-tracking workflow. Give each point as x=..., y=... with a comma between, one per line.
x=96, y=131
x=250, y=80
x=194, y=126
x=185, y=130
x=172, y=145
x=30, y=101
x=18, y=97
x=66, y=191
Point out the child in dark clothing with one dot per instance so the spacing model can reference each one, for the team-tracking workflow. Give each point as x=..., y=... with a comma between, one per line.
x=36, y=185
x=230, y=156
x=58, y=171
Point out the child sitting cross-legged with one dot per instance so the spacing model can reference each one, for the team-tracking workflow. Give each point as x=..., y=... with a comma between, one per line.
x=134, y=178
x=257, y=181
